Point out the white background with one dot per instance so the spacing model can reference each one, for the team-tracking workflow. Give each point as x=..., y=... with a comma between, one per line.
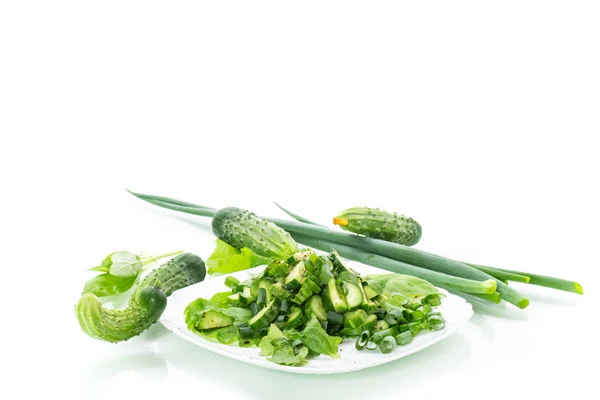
x=478, y=119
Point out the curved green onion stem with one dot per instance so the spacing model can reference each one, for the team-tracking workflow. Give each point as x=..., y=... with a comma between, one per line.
x=362, y=340
x=501, y=275
x=393, y=250
x=387, y=344
x=296, y=216
x=435, y=278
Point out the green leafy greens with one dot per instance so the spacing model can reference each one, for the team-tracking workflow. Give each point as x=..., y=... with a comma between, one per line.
x=226, y=259
x=121, y=271
x=318, y=341
x=410, y=287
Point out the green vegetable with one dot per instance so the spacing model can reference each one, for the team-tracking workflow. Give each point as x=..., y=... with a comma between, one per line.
x=179, y=272
x=121, y=270
x=380, y=224
x=436, y=278
x=315, y=306
x=407, y=286
x=213, y=319
x=295, y=319
x=404, y=338
x=318, y=341
x=542, y=280
x=308, y=228
x=265, y=316
x=280, y=349
x=226, y=259
x=146, y=304
x=387, y=344
x=241, y=228
x=501, y=275
x=118, y=325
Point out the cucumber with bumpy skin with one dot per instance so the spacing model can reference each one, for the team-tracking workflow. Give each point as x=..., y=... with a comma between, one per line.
x=146, y=304
x=118, y=325
x=380, y=224
x=179, y=272
x=242, y=228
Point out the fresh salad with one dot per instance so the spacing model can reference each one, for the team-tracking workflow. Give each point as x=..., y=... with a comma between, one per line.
x=306, y=305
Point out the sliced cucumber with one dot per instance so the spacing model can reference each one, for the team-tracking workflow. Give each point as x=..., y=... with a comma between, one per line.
x=264, y=316
x=246, y=297
x=354, y=319
x=294, y=280
x=333, y=300
x=315, y=306
x=369, y=292
x=296, y=318
x=381, y=325
x=354, y=296
x=316, y=289
x=303, y=294
x=213, y=319
x=279, y=291
x=368, y=325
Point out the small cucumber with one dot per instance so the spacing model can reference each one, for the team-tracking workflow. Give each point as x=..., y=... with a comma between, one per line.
x=354, y=296
x=146, y=304
x=241, y=228
x=118, y=325
x=380, y=224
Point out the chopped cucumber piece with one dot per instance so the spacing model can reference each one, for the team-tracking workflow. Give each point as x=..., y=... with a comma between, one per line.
x=296, y=318
x=294, y=280
x=213, y=319
x=264, y=316
x=354, y=296
x=303, y=294
x=332, y=299
x=316, y=289
x=354, y=319
x=381, y=325
x=370, y=292
x=315, y=306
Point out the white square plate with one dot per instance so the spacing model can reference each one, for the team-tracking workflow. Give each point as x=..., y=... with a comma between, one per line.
x=454, y=309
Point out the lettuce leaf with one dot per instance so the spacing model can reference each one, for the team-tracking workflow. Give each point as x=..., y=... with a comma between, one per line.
x=318, y=341
x=193, y=312
x=278, y=346
x=407, y=286
x=226, y=259
x=267, y=348
x=284, y=354
x=108, y=285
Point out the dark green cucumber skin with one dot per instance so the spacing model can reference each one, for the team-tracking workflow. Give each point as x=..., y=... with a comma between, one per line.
x=383, y=225
x=242, y=228
x=181, y=271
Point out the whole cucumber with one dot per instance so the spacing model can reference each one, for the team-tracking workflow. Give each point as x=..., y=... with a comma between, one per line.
x=146, y=304
x=118, y=325
x=380, y=224
x=242, y=228
x=179, y=272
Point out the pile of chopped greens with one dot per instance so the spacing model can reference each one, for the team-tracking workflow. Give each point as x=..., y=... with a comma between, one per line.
x=306, y=305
